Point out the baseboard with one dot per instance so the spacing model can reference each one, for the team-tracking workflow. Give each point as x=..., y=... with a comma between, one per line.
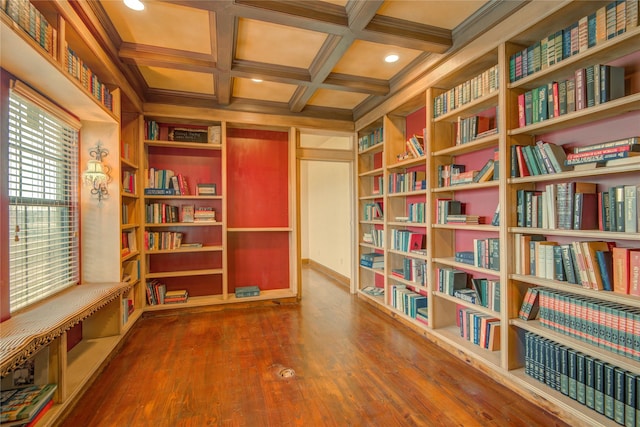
x=341, y=279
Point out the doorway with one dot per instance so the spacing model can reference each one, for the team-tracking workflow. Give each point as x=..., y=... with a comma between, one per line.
x=326, y=207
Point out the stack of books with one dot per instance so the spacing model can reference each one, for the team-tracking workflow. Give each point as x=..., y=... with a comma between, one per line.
x=177, y=296
x=204, y=214
x=26, y=405
x=372, y=260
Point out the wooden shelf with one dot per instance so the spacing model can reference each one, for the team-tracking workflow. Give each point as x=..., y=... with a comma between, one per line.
x=470, y=227
x=599, y=112
x=451, y=335
x=183, y=273
x=604, y=52
x=186, y=250
x=184, y=224
x=182, y=197
x=577, y=410
x=467, y=304
x=578, y=234
x=631, y=300
x=469, y=147
x=470, y=108
x=466, y=187
x=597, y=352
x=460, y=265
x=189, y=145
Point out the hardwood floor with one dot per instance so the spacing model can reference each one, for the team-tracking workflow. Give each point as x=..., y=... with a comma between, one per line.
x=352, y=366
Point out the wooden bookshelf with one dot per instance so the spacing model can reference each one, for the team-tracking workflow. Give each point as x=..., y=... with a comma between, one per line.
x=616, y=119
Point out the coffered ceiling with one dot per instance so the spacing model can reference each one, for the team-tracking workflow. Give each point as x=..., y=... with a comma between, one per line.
x=320, y=59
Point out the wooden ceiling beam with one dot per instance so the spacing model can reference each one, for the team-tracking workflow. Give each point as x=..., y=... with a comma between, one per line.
x=167, y=58
x=412, y=35
x=270, y=72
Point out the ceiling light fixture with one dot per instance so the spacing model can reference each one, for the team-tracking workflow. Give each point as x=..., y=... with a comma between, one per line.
x=134, y=4
x=391, y=58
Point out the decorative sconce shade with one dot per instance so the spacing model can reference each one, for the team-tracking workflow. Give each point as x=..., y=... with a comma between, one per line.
x=97, y=174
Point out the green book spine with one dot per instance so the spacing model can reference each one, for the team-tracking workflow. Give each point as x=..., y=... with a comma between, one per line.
x=589, y=378
x=619, y=395
x=598, y=385
x=573, y=388
x=631, y=380
x=564, y=370
x=580, y=379
x=609, y=387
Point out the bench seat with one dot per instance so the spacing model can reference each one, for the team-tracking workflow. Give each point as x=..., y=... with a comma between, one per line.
x=25, y=333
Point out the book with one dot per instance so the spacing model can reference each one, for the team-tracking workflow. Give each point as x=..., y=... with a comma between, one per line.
x=530, y=304
x=187, y=214
x=247, y=291
x=22, y=405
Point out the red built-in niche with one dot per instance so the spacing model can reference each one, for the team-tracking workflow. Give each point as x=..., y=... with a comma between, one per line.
x=258, y=259
x=257, y=178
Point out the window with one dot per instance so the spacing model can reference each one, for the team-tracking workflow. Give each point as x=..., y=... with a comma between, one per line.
x=43, y=200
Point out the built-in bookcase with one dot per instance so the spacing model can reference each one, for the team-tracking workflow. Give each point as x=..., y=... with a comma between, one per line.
x=183, y=236
x=483, y=229
x=371, y=210
x=131, y=230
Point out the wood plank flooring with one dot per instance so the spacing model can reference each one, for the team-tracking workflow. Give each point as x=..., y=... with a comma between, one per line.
x=352, y=366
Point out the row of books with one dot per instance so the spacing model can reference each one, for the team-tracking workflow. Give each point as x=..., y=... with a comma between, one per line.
x=161, y=213
x=406, y=300
x=449, y=280
x=415, y=146
x=483, y=291
x=590, y=86
x=481, y=85
x=125, y=214
x=577, y=206
x=479, y=328
x=407, y=241
x=611, y=326
x=372, y=211
x=79, y=70
x=608, y=389
x=128, y=242
x=413, y=270
x=602, y=24
x=592, y=264
x=128, y=307
x=157, y=293
x=372, y=138
x=165, y=240
x=165, y=182
x=486, y=253
x=542, y=158
x=409, y=181
x=374, y=237
x=469, y=129
x=34, y=23
x=416, y=212
x=129, y=182
x=372, y=260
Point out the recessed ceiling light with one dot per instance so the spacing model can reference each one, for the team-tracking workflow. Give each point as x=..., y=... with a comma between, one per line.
x=134, y=4
x=257, y=80
x=391, y=58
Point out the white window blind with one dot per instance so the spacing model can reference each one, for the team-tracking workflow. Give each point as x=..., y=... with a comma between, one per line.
x=43, y=202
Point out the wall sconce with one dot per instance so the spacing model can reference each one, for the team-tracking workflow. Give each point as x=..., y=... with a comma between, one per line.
x=97, y=173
